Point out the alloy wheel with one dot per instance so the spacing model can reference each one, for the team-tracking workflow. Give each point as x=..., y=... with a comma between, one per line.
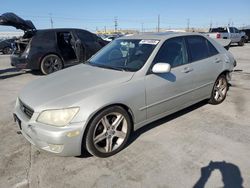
x=220, y=89
x=110, y=132
x=51, y=64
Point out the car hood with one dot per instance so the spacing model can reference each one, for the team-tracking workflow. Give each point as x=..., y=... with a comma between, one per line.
x=66, y=87
x=11, y=19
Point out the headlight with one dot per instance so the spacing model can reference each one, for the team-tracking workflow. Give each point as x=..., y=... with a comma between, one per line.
x=59, y=117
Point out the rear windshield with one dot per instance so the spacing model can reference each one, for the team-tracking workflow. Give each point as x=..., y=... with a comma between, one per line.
x=218, y=30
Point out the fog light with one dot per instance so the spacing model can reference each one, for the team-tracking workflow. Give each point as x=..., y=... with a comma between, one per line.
x=56, y=148
x=73, y=133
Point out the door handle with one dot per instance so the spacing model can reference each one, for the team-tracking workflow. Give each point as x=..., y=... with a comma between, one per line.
x=187, y=70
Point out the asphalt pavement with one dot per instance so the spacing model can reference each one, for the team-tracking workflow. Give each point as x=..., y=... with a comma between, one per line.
x=203, y=145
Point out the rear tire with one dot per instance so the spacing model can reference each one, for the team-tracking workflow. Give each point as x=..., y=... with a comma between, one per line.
x=219, y=91
x=51, y=63
x=241, y=43
x=108, y=132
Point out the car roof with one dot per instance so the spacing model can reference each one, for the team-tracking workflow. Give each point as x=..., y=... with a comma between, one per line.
x=159, y=36
x=61, y=29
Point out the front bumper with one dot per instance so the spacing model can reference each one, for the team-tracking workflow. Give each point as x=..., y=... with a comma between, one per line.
x=63, y=141
x=18, y=61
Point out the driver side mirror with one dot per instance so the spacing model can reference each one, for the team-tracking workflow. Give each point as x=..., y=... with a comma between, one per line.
x=161, y=68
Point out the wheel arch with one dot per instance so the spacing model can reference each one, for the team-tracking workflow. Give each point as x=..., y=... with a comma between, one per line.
x=226, y=73
x=50, y=53
x=125, y=107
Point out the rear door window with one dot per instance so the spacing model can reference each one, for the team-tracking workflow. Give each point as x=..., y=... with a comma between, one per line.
x=212, y=50
x=85, y=36
x=198, y=48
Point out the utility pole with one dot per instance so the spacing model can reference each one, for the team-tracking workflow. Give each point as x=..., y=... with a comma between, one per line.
x=188, y=23
x=158, y=26
x=211, y=24
x=116, y=24
x=51, y=20
x=229, y=22
x=142, y=29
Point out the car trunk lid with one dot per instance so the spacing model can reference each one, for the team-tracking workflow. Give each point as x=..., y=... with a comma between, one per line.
x=11, y=19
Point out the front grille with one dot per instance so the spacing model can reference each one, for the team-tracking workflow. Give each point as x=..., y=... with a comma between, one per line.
x=26, y=110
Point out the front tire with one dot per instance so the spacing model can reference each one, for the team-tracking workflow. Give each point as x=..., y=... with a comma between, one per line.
x=108, y=132
x=51, y=63
x=7, y=50
x=220, y=89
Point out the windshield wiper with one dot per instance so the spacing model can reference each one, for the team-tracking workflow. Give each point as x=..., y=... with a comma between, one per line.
x=107, y=67
x=127, y=69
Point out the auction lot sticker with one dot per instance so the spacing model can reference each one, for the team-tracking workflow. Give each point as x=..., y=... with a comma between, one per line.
x=152, y=42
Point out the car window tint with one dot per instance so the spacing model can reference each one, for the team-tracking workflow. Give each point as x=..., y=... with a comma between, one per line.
x=64, y=39
x=236, y=30
x=197, y=48
x=219, y=29
x=173, y=51
x=212, y=50
x=85, y=36
x=231, y=29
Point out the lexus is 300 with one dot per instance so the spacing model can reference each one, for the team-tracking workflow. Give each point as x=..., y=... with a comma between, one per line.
x=131, y=82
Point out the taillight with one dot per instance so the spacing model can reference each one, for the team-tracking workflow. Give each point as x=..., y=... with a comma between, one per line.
x=218, y=35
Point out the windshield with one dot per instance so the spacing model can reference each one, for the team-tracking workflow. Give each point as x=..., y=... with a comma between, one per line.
x=218, y=30
x=126, y=55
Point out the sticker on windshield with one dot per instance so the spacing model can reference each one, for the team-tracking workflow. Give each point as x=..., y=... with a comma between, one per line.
x=152, y=42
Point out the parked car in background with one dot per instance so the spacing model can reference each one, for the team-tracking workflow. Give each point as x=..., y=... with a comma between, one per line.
x=50, y=50
x=7, y=46
x=227, y=33
x=244, y=36
x=247, y=34
x=110, y=38
x=129, y=83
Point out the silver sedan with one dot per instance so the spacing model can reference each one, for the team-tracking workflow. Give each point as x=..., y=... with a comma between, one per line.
x=131, y=82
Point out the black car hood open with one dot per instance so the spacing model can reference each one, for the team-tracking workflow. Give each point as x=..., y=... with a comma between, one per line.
x=11, y=19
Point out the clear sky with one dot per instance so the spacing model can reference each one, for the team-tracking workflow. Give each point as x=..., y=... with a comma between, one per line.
x=136, y=14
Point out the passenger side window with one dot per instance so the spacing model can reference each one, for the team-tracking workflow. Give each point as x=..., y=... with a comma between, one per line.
x=236, y=30
x=173, y=51
x=197, y=48
x=231, y=29
x=212, y=50
x=64, y=40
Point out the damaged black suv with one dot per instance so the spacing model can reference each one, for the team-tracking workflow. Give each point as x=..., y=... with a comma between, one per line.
x=50, y=50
